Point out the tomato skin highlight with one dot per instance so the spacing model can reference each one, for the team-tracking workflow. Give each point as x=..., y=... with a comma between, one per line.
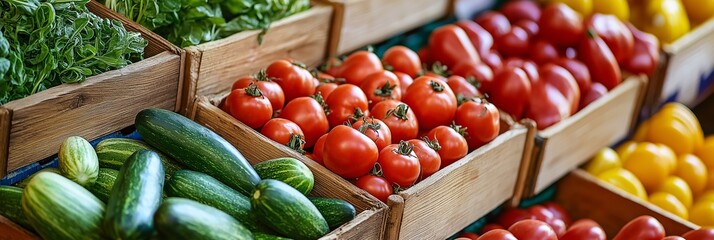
x=250, y=106
x=403, y=59
x=309, y=115
x=699, y=234
x=558, y=212
x=343, y=101
x=479, y=37
x=584, y=229
x=514, y=43
x=349, y=153
x=494, y=22
x=429, y=160
x=642, y=228
x=357, y=66
x=432, y=101
x=482, y=122
x=378, y=187
x=450, y=45
x=290, y=76
x=531, y=229
x=579, y=71
x=399, y=164
x=560, y=25
x=521, y=10
x=401, y=120
x=498, y=234
x=453, y=145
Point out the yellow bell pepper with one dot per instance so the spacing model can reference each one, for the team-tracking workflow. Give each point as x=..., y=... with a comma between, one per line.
x=699, y=10
x=584, y=7
x=619, y=8
x=666, y=19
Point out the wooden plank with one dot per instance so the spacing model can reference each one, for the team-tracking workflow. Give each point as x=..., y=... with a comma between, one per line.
x=5, y=126
x=12, y=231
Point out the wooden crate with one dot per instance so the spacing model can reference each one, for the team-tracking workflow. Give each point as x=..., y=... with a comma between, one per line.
x=213, y=67
x=12, y=231
x=370, y=220
x=584, y=196
x=571, y=142
x=357, y=23
x=33, y=127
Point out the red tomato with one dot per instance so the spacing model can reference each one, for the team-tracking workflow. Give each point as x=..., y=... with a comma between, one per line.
x=493, y=60
x=402, y=59
x=600, y=61
x=280, y=130
x=432, y=101
x=530, y=229
x=543, y=52
x=243, y=82
x=541, y=213
x=250, y=106
x=514, y=42
x=452, y=145
x=494, y=22
x=614, y=33
x=331, y=66
x=462, y=87
x=429, y=159
x=376, y=186
x=700, y=234
x=528, y=66
x=531, y=27
x=579, y=71
x=404, y=81
x=438, y=70
x=399, y=164
x=512, y=215
x=270, y=89
x=399, y=118
x=480, y=38
x=645, y=54
x=309, y=115
x=325, y=89
x=584, y=229
x=673, y=238
x=596, y=91
x=564, y=82
x=381, y=86
x=489, y=227
x=450, y=45
x=477, y=71
x=317, y=150
x=641, y=228
x=547, y=105
x=358, y=66
x=481, y=120
x=292, y=76
x=561, y=25
x=376, y=130
x=510, y=91
x=558, y=212
x=349, y=153
x=497, y=234
x=344, y=102
x=468, y=235
x=558, y=226
x=424, y=55
x=521, y=10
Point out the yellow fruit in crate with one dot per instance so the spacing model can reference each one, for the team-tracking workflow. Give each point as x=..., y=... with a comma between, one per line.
x=685, y=115
x=692, y=171
x=619, y=8
x=584, y=7
x=669, y=203
x=670, y=131
x=702, y=214
x=666, y=19
x=706, y=152
x=648, y=165
x=604, y=160
x=705, y=197
x=679, y=188
x=624, y=180
x=625, y=149
x=668, y=155
x=699, y=10
x=642, y=132
x=710, y=180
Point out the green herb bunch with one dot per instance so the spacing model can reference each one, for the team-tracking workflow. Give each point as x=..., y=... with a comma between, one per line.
x=49, y=42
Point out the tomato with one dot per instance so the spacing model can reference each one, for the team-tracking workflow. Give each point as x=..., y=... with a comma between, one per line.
x=325, y=89
x=432, y=101
x=349, y=153
x=514, y=43
x=531, y=27
x=452, y=145
x=497, y=234
x=331, y=66
x=450, y=45
x=292, y=76
x=381, y=86
x=673, y=238
x=600, y=61
x=402, y=59
x=280, y=130
x=699, y=234
x=579, y=71
x=494, y=22
x=543, y=52
x=596, y=91
x=692, y=170
x=357, y=66
x=480, y=72
x=510, y=91
x=703, y=214
x=645, y=53
x=624, y=180
x=404, y=81
x=489, y=227
x=558, y=226
x=438, y=70
x=399, y=164
x=344, y=102
x=480, y=38
x=429, y=159
x=604, y=160
x=270, y=89
x=561, y=25
x=468, y=235
x=584, y=229
x=521, y=10
x=558, y=212
x=493, y=60
x=510, y=216
x=376, y=130
x=309, y=115
x=399, y=118
x=561, y=79
x=317, y=150
x=541, y=213
x=462, y=87
x=482, y=122
x=424, y=55
x=547, y=105
x=376, y=186
x=614, y=33
x=528, y=66
x=531, y=229
x=669, y=203
x=250, y=106
x=641, y=228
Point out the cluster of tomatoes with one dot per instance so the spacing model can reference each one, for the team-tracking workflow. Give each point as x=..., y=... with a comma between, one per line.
x=543, y=64
x=550, y=221
x=382, y=122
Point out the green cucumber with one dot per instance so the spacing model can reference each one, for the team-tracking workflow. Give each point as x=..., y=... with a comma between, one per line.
x=287, y=170
x=135, y=197
x=11, y=205
x=287, y=211
x=102, y=188
x=113, y=152
x=58, y=208
x=265, y=236
x=180, y=218
x=207, y=190
x=196, y=147
x=335, y=211
x=78, y=161
x=24, y=182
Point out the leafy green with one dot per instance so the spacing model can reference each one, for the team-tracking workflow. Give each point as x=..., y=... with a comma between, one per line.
x=46, y=43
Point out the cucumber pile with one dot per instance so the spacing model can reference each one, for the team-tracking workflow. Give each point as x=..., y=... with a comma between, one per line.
x=182, y=182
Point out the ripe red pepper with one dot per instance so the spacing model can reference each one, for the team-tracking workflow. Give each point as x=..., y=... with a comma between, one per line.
x=614, y=33
x=450, y=45
x=645, y=55
x=600, y=61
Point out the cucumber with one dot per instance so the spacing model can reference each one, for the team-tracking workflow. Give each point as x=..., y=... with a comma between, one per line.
x=207, y=190
x=135, y=197
x=24, y=182
x=335, y=211
x=196, y=147
x=287, y=211
x=287, y=170
x=265, y=236
x=113, y=152
x=180, y=218
x=11, y=205
x=58, y=208
x=102, y=188
x=78, y=161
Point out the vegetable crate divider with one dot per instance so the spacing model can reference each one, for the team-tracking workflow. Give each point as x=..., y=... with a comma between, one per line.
x=357, y=23
x=371, y=213
x=564, y=146
x=11, y=231
x=212, y=67
x=584, y=196
x=33, y=127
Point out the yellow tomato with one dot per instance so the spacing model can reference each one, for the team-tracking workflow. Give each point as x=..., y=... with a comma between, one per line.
x=686, y=116
x=625, y=181
x=706, y=152
x=619, y=8
x=702, y=214
x=705, y=197
x=668, y=155
x=692, y=171
x=604, y=160
x=679, y=188
x=698, y=10
x=642, y=132
x=672, y=132
x=584, y=7
x=669, y=203
x=710, y=180
x=648, y=165
x=626, y=148
x=666, y=19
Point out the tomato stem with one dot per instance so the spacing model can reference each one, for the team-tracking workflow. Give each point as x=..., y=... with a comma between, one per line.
x=369, y=125
x=458, y=128
x=320, y=100
x=591, y=33
x=440, y=69
x=296, y=142
x=473, y=81
x=377, y=170
x=262, y=75
x=433, y=144
x=358, y=114
x=253, y=91
x=399, y=112
x=385, y=91
x=404, y=148
x=388, y=67
x=436, y=86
